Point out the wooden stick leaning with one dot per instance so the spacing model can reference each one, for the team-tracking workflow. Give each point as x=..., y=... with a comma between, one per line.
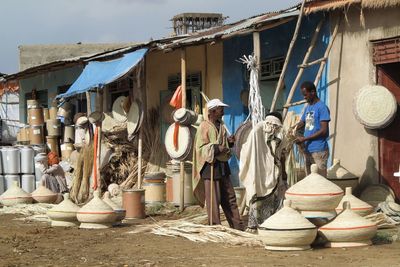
x=182, y=164
x=211, y=192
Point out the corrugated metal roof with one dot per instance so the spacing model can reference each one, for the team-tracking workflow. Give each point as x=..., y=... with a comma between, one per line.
x=230, y=29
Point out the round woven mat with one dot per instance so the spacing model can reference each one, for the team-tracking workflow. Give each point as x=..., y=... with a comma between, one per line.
x=374, y=106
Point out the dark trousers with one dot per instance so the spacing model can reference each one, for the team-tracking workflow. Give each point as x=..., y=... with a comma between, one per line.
x=224, y=195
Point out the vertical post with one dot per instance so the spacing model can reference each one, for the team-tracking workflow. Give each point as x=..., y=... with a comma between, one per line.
x=182, y=166
x=99, y=135
x=257, y=50
x=88, y=103
x=139, y=181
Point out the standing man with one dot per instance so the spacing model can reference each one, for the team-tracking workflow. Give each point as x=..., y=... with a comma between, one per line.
x=211, y=170
x=315, y=120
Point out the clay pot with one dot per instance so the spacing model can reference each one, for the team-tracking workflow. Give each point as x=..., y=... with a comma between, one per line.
x=338, y=175
x=44, y=195
x=357, y=205
x=96, y=214
x=64, y=214
x=348, y=229
x=117, y=209
x=287, y=230
x=315, y=196
x=15, y=195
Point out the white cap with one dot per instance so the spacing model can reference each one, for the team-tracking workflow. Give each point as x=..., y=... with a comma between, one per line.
x=213, y=103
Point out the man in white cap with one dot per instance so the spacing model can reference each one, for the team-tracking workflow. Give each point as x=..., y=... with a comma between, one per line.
x=211, y=173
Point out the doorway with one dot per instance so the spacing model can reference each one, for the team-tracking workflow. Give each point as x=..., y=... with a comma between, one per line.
x=388, y=75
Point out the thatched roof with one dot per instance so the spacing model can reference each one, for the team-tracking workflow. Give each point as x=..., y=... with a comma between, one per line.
x=329, y=5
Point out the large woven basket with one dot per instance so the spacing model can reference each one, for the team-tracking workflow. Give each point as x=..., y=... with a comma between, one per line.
x=185, y=142
x=374, y=106
x=357, y=205
x=241, y=135
x=287, y=230
x=340, y=176
x=348, y=229
x=315, y=193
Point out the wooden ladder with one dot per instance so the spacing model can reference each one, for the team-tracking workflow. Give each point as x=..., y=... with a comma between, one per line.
x=305, y=64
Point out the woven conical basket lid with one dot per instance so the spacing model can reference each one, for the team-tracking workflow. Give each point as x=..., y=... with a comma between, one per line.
x=337, y=171
x=96, y=205
x=133, y=118
x=66, y=205
x=355, y=203
x=118, y=111
x=42, y=191
x=107, y=199
x=348, y=219
x=287, y=219
x=314, y=184
x=374, y=106
x=15, y=192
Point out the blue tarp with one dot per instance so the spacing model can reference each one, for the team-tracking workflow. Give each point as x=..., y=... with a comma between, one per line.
x=97, y=74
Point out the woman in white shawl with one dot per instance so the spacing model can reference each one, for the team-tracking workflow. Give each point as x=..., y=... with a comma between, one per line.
x=261, y=170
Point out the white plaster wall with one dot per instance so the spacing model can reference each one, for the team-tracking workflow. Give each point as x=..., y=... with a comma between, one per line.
x=350, y=69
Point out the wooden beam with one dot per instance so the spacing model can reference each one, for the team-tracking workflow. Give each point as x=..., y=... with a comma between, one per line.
x=182, y=163
x=298, y=103
x=301, y=70
x=257, y=50
x=309, y=64
x=279, y=86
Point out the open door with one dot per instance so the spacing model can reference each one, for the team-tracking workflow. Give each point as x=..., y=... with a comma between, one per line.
x=389, y=137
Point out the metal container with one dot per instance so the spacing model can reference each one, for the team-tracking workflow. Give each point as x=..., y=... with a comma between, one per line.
x=46, y=114
x=53, y=113
x=155, y=192
x=66, y=150
x=35, y=116
x=27, y=163
x=69, y=134
x=2, y=186
x=36, y=135
x=32, y=103
x=9, y=180
x=3, y=152
x=53, y=127
x=133, y=201
x=40, y=165
x=173, y=170
x=28, y=182
x=53, y=144
x=13, y=160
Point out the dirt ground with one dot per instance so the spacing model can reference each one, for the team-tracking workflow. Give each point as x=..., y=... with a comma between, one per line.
x=37, y=244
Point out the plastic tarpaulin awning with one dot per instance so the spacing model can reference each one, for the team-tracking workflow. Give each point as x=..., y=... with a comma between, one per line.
x=97, y=74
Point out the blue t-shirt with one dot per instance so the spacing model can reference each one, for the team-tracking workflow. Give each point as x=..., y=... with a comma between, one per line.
x=312, y=117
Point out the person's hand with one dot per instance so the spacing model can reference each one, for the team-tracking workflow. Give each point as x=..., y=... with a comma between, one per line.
x=231, y=139
x=300, y=139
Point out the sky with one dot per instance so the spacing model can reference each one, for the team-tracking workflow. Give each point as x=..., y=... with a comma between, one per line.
x=28, y=22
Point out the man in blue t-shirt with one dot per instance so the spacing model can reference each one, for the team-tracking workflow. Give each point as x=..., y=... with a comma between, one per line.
x=315, y=120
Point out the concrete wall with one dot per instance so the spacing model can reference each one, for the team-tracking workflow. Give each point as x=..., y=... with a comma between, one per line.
x=351, y=68
x=160, y=65
x=49, y=82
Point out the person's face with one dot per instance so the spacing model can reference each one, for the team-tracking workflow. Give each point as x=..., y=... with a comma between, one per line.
x=309, y=96
x=218, y=112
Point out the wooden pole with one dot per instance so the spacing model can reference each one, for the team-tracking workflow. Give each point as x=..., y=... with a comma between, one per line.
x=279, y=86
x=211, y=193
x=88, y=103
x=182, y=163
x=301, y=70
x=257, y=50
x=326, y=55
x=99, y=135
x=140, y=147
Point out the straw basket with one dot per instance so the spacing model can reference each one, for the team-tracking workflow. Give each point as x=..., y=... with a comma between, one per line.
x=15, y=195
x=315, y=196
x=287, y=230
x=118, y=111
x=44, y=195
x=348, y=229
x=338, y=175
x=96, y=214
x=185, y=116
x=185, y=140
x=64, y=214
x=357, y=205
x=374, y=106
x=241, y=135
